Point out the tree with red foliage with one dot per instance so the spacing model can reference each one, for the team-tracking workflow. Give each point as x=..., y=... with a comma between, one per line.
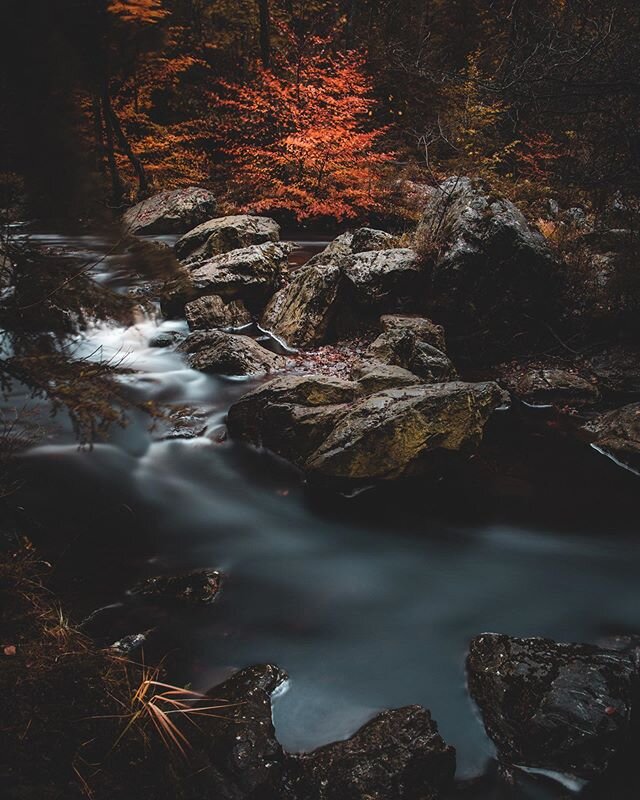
x=299, y=136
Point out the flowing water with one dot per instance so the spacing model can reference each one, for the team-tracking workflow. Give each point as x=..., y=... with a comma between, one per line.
x=364, y=611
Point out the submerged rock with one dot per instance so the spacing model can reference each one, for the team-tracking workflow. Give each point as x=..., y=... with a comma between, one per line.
x=489, y=267
x=399, y=755
x=212, y=311
x=224, y=234
x=224, y=353
x=327, y=428
x=550, y=385
x=560, y=707
x=251, y=274
x=165, y=339
x=303, y=311
x=200, y=586
x=170, y=212
x=618, y=433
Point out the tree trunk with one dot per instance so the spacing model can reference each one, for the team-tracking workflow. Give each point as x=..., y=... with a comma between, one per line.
x=352, y=14
x=117, y=187
x=123, y=143
x=265, y=32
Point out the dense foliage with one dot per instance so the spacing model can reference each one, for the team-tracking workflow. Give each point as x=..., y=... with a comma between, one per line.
x=533, y=95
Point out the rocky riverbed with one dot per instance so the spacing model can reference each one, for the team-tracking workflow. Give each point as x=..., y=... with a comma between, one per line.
x=335, y=426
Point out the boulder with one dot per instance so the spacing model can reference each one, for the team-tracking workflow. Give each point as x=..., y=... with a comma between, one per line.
x=291, y=415
x=303, y=311
x=373, y=376
x=333, y=252
x=367, y=239
x=489, y=268
x=396, y=432
x=387, y=280
x=211, y=311
x=425, y=330
x=176, y=211
x=234, y=748
x=399, y=755
x=347, y=244
x=618, y=434
x=201, y=586
x=560, y=707
x=251, y=274
x=556, y=386
x=222, y=353
x=327, y=428
x=223, y=234
x=402, y=347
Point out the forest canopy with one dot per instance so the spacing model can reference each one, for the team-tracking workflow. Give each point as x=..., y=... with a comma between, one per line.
x=307, y=103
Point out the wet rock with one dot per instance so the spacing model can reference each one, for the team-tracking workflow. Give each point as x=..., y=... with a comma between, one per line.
x=302, y=312
x=549, y=386
x=489, y=268
x=388, y=280
x=394, y=433
x=250, y=274
x=402, y=347
x=425, y=329
x=200, y=586
x=222, y=353
x=170, y=212
x=224, y=234
x=166, y=339
x=187, y=422
x=291, y=415
x=241, y=758
x=618, y=433
x=129, y=644
x=212, y=311
x=324, y=427
x=374, y=376
x=560, y=707
x=367, y=239
x=399, y=755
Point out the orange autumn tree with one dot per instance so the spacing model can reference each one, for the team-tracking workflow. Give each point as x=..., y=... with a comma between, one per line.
x=299, y=136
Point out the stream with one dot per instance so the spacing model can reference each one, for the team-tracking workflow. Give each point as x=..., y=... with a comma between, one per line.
x=365, y=611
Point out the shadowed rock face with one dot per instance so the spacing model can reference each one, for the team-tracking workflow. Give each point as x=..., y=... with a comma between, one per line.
x=556, y=386
x=387, y=279
x=561, y=707
x=223, y=234
x=170, y=212
x=303, y=311
x=491, y=268
x=223, y=353
x=332, y=430
x=399, y=755
x=241, y=759
x=404, y=347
